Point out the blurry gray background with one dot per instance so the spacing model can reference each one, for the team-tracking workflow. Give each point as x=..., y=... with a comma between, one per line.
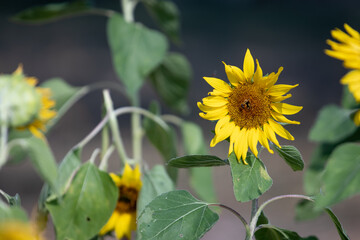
x=289, y=33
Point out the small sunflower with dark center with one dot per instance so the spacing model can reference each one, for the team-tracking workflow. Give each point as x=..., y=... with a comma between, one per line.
x=249, y=109
x=24, y=106
x=348, y=50
x=123, y=219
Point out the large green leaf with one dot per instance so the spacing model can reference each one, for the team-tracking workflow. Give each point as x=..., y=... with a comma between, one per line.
x=197, y=161
x=163, y=139
x=175, y=215
x=201, y=179
x=52, y=11
x=249, y=181
x=292, y=156
x=86, y=206
x=305, y=210
x=171, y=81
x=166, y=15
x=136, y=51
x=333, y=124
x=8, y=213
x=342, y=175
x=154, y=182
x=270, y=232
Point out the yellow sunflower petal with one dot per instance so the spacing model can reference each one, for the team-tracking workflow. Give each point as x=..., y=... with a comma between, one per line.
x=286, y=109
x=221, y=123
x=253, y=140
x=241, y=145
x=259, y=73
x=281, y=118
x=36, y=132
x=279, y=98
x=206, y=108
x=264, y=141
x=110, y=225
x=351, y=77
x=123, y=226
x=218, y=84
x=215, y=115
x=215, y=101
x=232, y=76
x=248, y=66
x=270, y=134
x=351, y=31
x=223, y=134
x=280, y=130
x=272, y=78
x=280, y=89
x=218, y=93
x=31, y=81
x=116, y=179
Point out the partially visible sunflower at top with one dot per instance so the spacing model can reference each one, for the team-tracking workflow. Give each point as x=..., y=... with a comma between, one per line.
x=249, y=109
x=123, y=219
x=24, y=106
x=348, y=50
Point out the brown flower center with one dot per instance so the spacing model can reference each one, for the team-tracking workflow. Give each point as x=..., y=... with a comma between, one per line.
x=127, y=199
x=249, y=106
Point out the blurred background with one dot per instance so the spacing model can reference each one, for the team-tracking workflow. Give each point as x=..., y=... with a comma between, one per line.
x=285, y=33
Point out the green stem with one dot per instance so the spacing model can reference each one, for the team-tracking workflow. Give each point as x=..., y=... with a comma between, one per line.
x=114, y=127
x=137, y=133
x=105, y=159
x=261, y=208
x=4, y=136
x=94, y=155
x=172, y=119
x=254, y=207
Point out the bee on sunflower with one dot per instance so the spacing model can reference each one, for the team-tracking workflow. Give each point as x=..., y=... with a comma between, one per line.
x=249, y=109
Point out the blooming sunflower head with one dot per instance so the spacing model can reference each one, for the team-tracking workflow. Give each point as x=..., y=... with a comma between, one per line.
x=347, y=49
x=123, y=219
x=248, y=109
x=24, y=106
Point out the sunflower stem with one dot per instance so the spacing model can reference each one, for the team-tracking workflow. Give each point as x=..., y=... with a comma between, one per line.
x=128, y=7
x=4, y=136
x=137, y=133
x=114, y=127
x=105, y=159
x=261, y=208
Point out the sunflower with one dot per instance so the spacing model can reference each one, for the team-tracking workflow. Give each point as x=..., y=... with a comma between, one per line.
x=249, y=109
x=26, y=107
x=16, y=230
x=348, y=50
x=123, y=219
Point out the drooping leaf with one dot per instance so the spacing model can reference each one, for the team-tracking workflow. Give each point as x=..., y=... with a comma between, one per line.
x=154, y=182
x=64, y=96
x=52, y=11
x=342, y=175
x=201, y=179
x=163, y=139
x=270, y=232
x=197, y=161
x=166, y=15
x=249, y=181
x=338, y=225
x=348, y=101
x=175, y=215
x=86, y=206
x=136, y=51
x=8, y=213
x=305, y=210
x=333, y=124
x=292, y=156
x=171, y=81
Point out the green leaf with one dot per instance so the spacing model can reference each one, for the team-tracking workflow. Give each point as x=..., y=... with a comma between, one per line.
x=52, y=11
x=249, y=181
x=8, y=213
x=12, y=200
x=171, y=81
x=167, y=16
x=86, y=206
x=201, y=179
x=348, y=101
x=197, y=161
x=342, y=175
x=64, y=96
x=270, y=232
x=305, y=210
x=163, y=140
x=154, y=183
x=136, y=51
x=175, y=215
x=193, y=139
x=333, y=124
x=338, y=225
x=42, y=159
x=292, y=156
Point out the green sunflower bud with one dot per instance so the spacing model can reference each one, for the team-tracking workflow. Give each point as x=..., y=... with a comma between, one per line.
x=19, y=100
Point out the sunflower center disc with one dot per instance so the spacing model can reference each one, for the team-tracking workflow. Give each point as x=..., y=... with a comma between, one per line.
x=127, y=199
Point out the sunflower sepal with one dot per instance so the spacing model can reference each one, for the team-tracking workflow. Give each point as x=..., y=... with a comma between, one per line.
x=291, y=155
x=250, y=180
